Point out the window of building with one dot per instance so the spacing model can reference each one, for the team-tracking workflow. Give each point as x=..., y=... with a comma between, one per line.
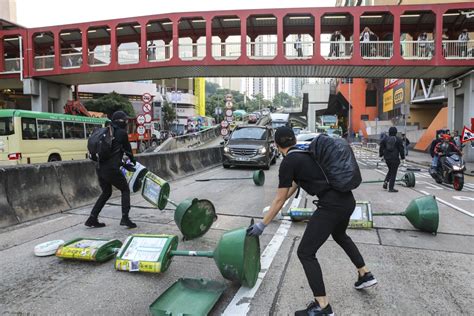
x=364, y=117
x=370, y=98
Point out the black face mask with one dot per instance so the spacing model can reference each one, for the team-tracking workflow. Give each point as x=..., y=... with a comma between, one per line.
x=121, y=123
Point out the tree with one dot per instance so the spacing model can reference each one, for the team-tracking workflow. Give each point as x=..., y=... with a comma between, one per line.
x=169, y=115
x=283, y=99
x=110, y=103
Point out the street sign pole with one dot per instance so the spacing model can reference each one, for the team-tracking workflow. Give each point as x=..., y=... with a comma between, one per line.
x=350, y=118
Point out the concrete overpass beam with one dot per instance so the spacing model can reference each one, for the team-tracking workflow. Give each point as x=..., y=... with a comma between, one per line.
x=46, y=96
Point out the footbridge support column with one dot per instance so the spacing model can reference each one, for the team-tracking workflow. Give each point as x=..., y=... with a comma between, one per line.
x=461, y=108
x=47, y=96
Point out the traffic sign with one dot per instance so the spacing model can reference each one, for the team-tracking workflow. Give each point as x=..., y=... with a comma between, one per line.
x=229, y=104
x=224, y=124
x=228, y=112
x=147, y=118
x=229, y=118
x=146, y=107
x=146, y=97
x=224, y=132
x=141, y=130
x=141, y=119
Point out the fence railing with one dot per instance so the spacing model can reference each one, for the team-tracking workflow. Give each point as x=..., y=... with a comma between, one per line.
x=336, y=49
x=127, y=56
x=71, y=60
x=12, y=65
x=261, y=50
x=299, y=50
x=195, y=51
x=376, y=49
x=458, y=49
x=159, y=53
x=226, y=51
x=417, y=50
x=45, y=62
x=99, y=58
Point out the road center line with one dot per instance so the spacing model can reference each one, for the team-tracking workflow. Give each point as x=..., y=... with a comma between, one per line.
x=240, y=304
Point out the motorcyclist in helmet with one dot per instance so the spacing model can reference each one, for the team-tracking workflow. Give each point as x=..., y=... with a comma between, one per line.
x=446, y=146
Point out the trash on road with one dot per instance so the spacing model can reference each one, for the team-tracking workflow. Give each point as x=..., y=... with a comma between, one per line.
x=48, y=248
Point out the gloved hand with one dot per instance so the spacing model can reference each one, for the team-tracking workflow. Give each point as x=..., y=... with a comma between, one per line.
x=133, y=161
x=256, y=229
x=129, y=167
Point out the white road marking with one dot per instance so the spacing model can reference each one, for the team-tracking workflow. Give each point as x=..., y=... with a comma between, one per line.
x=240, y=304
x=457, y=208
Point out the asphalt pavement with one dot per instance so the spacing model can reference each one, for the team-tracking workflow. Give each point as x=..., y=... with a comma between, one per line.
x=418, y=273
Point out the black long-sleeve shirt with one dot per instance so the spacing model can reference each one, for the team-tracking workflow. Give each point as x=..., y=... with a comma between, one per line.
x=120, y=146
x=391, y=155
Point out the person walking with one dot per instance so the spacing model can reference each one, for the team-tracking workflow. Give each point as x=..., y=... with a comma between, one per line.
x=109, y=173
x=391, y=149
x=334, y=209
x=463, y=40
x=406, y=143
x=299, y=46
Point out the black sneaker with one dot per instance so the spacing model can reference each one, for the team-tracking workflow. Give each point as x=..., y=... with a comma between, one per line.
x=365, y=281
x=313, y=309
x=393, y=190
x=125, y=221
x=385, y=184
x=94, y=222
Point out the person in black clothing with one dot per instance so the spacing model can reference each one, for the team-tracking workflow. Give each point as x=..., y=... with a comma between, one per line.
x=109, y=173
x=332, y=216
x=391, y=148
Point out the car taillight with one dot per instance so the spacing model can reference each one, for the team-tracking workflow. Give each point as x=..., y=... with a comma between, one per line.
x=14, y=156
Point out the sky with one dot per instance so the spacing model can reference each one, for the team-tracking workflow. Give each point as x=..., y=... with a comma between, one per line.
x=35, y=13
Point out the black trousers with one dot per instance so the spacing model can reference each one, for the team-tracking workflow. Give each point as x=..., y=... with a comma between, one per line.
x=107, y=179
x=392, y=172
x=323, y=223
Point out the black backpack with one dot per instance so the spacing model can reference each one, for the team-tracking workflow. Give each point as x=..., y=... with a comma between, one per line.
x=99, y=144
x=337, y=161
x=391, y=143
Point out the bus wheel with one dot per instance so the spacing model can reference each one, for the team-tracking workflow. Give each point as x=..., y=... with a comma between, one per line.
x=54, y=157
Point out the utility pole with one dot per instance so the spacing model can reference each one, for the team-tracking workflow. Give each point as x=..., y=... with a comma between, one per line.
x=350, y=117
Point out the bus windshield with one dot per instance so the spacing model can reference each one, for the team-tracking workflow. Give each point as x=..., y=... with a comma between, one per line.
x=6, y=126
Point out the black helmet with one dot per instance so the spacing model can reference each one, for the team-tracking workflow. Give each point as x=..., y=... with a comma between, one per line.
x=119, y=116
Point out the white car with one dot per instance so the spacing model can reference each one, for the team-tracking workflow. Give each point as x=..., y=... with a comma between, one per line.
x=303, y=140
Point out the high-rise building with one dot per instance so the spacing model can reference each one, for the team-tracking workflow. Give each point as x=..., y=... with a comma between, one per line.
x=8, y=10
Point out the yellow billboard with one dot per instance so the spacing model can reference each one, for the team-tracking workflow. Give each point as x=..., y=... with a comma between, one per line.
x=200, y=93
x=388, y=100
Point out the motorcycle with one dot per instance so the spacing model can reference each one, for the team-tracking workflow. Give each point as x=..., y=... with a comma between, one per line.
x=451, y=171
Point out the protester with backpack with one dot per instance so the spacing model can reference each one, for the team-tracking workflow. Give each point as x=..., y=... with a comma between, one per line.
x=318, y=173
x=107, y=146
x=391, y=149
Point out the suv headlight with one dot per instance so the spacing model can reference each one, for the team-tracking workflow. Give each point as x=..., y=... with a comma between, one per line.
x=262, y=150
x=226, y=149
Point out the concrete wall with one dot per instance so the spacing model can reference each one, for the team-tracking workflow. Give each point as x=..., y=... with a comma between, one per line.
x=32, y=191
x=190, y=140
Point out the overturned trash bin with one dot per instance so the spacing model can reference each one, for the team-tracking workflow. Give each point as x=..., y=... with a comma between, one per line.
x=194, y=217
x=89, y=249
x=188, y=297
x=237, y=255
x=258, y=177
x=408, y=179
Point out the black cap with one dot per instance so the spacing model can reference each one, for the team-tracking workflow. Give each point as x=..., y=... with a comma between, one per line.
x=119, y=115
x=285, y=137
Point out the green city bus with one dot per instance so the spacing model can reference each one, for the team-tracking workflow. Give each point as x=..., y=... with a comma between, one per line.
x=34, y=137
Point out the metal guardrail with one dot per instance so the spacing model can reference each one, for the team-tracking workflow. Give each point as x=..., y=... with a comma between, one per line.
x=418, y=50
x=458, y=49
x=376, y=49
x=336, y=49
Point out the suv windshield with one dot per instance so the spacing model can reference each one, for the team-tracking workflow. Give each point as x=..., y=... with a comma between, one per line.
x=6, y=126
x=249, y=133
